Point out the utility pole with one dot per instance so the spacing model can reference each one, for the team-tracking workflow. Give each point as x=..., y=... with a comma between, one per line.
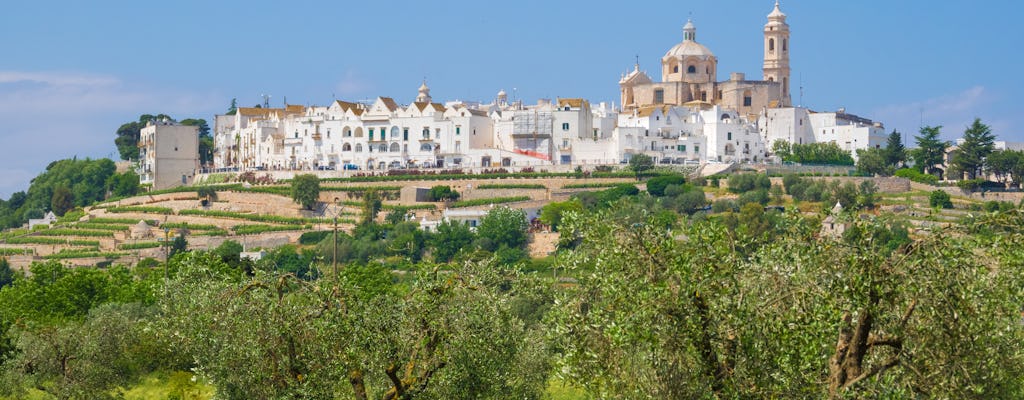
x=167, y=256
x=334, y=259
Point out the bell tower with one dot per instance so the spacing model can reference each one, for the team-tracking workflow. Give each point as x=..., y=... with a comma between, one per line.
x=776, y=51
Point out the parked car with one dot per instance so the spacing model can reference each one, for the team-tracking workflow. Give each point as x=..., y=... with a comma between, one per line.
x=350, y=167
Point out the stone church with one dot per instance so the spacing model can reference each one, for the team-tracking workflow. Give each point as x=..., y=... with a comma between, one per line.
x=689, y=73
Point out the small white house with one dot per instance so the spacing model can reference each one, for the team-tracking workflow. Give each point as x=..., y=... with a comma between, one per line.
x=47, y=220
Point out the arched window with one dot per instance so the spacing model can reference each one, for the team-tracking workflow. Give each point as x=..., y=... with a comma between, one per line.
x=784, y=45
x=691, y=69
x=347, y=132
x=426, y=147
x=395, y=147
x=359, y=147
x=725, y=117
x=346, y=147
x=359, y=131
x=675, y=69
x=395, y=132
x=771, y=44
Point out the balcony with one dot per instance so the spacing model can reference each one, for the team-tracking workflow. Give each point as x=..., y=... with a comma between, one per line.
x=292, y=141
x=317, y=137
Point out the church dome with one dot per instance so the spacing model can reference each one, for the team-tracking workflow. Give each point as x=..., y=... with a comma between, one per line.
x=690, y=48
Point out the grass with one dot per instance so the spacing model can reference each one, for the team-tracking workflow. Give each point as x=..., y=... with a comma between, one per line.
x=511, y=186
x=102, y=227
x=169, y=385
x=558, y=390
x=493, y=200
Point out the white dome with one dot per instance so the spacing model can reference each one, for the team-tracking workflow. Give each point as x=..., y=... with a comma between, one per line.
x=690, y=48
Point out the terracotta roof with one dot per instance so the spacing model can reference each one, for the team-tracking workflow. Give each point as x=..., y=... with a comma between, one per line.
x=256, y=111
x=389, y=103
x=420, y=105
x=437, y=106
x=648, y=110
x=346, y=105
x=572, y=102
x=480, y=113
x=295, y=108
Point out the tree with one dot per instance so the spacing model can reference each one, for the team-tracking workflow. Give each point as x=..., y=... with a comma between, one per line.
x=939, y=199
x=551, y=214
x=233, y=109
x=6, y=274
x=930, y=149
x=895, y=152
x=782, y=149
x=123, y=185
x=442, y=193
x=306, y=190
x=62, y=200
x=178, y=245
x=502, y=226
x=873, y=161
x=640, y=163
x=1005, y=165
x=451, y=238
x=205, y=139
x=656, y=186
x=371, y=206
x=978, y=143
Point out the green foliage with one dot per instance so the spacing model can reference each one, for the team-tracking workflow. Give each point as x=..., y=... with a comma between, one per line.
x=741, y=183
x=52, y=240
x=759, y=196
x=978, y=143
x=75, y=232
x=257, y=229
x=142, y=209
x=139, y=245
x=178, y=245
x=306, y=190
x=6, y=274
x=70, y=253
x=502, y=227
x=917, y=176
x=123, y=185
x=930, y=149
x=551, y=214
x=511, y=186
x=971, y=185
x=873, y=161
x=276, y=219
x=640, y=163
x=451, y=238
x=591, y=185
x=62, y=200
x=939, y=199
x=371, y=207
x=310, y=238
x=205, y=139
x=812, y=153
x=1006, y=165
x=442, y=193
x=493, y=200
x=656, y=186
x=895, y=152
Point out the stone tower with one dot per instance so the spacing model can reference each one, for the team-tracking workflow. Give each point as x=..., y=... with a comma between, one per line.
x=776, y=51
x=424, y=93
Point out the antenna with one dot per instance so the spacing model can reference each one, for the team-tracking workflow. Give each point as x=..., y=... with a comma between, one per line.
x=266, y=100
x=801, y=89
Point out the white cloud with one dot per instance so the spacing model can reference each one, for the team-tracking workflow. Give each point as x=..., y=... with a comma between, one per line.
x=952, y=111
x=52, y=115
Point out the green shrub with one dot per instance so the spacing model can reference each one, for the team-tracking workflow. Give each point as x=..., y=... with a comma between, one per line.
x=255, y=229
x=104, y=227
x=139, y=245
x=917, y=176
x=52, y=240
x=656, y=186
x=141, y=209
x=592, y=185
x=759, y=196
x=740, y=183
x=724, y=205
x=940, y=199
x=312, y=238
x=511, y=186
x=442, y=193
x=75, y=232
x=249, y=217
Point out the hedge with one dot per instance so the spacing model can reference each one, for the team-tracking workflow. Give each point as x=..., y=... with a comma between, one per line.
x=141, y=209
x=249, y=217
x=103, y=227
x=254, y=229
x=591, y=185
x=494, y=200
x=82, y=254
x=127, y=221
x=198, y=227
x=139, y=245
x=512, y=186
x=52, y=240
x=75, y=232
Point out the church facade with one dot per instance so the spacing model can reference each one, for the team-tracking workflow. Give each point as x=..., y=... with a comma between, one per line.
x=689, y=74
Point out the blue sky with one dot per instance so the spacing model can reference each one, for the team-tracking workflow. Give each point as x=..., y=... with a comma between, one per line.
x=71, y=72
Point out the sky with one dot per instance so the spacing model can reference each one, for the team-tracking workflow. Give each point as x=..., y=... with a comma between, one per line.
x=71, y=72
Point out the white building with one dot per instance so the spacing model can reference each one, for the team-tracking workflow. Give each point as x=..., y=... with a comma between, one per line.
x=695, y=133
x=168, y=154
x=803, y=126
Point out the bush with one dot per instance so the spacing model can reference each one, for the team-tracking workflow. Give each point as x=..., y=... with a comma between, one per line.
x=306, y=190
x=940, y=199
x=656, y=186
x=724, y=205
x=512, y=186
x=442, y=193
x=917, y=176
x=971, y=185
x=254, y=229
x=740, y=183
x=759, y=196
x=141, y=209
x=312, y=238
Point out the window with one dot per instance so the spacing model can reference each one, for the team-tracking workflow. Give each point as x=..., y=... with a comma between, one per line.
x=426, y=147
x=703, y=95
x=565, y=126
x=748, y=98
x=426, y=133
x=382, y=148
x=675, y=69
x=346, y=147
x=728, y=136
x=696, y=149
x=394, y=132
x=458, y=130
x=659, y=96
x=771, y=45
x=296, y=134
x=458, y=146
x=565, y=143
x=359, y=148
x=691, y=69
x=681, y=148
x=395, y=147
x=784, y=45
x=371, y=134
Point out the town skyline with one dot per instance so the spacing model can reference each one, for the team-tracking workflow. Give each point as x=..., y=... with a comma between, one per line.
x=79, y=72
